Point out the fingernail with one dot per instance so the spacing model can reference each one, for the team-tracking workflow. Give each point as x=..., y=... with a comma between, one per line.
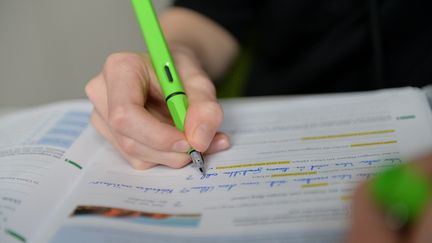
x=203, y=134
x=222, y=144
x=181, y=146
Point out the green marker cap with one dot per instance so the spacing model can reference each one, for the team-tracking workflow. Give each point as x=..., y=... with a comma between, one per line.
x=403, y=191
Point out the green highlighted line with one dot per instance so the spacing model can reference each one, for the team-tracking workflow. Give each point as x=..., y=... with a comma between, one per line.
x=73, y=163
x=405, y=117
x=15, y=235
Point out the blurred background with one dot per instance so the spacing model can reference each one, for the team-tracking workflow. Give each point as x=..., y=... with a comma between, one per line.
x=49, y=49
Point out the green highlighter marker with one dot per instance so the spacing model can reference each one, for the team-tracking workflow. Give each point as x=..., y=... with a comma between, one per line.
x=403, y=191
x=166, y=72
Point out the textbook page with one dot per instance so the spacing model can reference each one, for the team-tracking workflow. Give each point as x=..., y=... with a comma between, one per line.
x=39, y=162
x=288, y=177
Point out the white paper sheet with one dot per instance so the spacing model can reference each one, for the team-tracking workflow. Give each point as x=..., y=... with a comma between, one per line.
x=39, y=163
x=288, y=177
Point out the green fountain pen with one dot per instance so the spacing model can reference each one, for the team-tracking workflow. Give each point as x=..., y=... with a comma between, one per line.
x=166, y=72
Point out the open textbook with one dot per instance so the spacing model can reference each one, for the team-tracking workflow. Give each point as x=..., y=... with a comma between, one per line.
x=288, y=177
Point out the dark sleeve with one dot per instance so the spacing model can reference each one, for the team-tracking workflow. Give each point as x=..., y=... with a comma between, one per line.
x=236, y=16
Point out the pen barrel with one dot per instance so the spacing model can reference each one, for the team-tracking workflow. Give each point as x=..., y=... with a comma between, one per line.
x=162, y=61
x=177, y=106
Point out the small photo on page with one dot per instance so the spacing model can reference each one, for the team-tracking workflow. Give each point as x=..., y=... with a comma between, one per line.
x=138, y=217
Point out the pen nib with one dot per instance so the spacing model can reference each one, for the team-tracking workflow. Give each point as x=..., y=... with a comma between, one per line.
x=197, y=161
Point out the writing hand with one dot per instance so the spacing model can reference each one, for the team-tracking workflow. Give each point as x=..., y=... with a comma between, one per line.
x=130, y=111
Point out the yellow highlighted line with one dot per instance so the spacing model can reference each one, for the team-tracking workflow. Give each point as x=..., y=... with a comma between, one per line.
x=253, y=164
x=346, y=198
x=314, y=185
x=295, y=174
x=345, y=135
x=373, y=144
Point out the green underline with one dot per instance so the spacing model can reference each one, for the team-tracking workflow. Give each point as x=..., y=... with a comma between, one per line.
x=15, y=235
x=74, y=163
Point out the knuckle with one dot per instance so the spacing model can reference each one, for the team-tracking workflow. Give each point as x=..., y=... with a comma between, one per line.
x=200, y=80
x=123, y=61
x=203, y=83
x=118, y=118
x=128, y=146
x=121, y=58
x=212, y=109
x=197, y=77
